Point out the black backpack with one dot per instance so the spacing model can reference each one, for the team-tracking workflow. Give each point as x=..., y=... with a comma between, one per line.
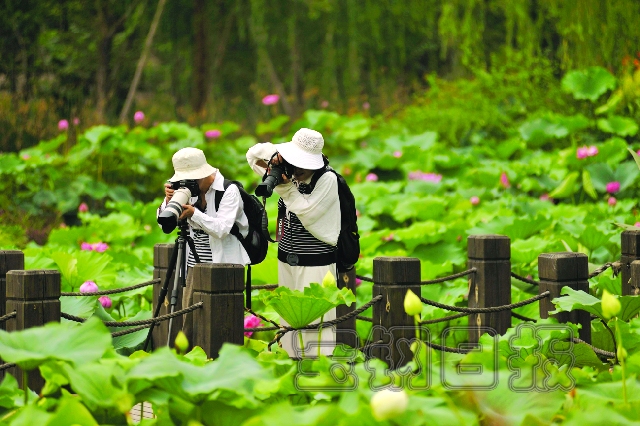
x=255, y=243
x=348, y=248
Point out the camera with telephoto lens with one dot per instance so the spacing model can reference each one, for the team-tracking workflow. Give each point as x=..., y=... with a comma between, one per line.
x=273, y=177
x=184, y=190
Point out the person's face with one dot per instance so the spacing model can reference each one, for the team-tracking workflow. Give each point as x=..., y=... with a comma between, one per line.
x=205, y=183
x=302, y=174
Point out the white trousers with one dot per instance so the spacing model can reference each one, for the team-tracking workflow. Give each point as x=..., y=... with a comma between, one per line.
x=297, y=278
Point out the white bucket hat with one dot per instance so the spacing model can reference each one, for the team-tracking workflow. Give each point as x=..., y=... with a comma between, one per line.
x=190, y=163
x=304, y=150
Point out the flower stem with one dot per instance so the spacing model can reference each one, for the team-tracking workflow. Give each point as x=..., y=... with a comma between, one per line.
x=301, y=342
x=622, y=361
x=25, y=386
x=320, y=334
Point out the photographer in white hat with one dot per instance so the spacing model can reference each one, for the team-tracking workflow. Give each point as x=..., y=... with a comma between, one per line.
x=209, y=228
x=308, y=221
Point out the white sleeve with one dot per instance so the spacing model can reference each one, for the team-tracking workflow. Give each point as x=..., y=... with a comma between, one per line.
x=262, y=151
x=221, y=225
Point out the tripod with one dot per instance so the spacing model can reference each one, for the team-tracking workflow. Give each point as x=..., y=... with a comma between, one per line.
x=179, y=260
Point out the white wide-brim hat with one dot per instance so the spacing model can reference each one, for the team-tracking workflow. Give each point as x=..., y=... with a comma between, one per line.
x=190, y=163
x=304, y=150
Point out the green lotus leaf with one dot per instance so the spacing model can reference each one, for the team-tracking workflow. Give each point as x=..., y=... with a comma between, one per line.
x=589, y=83
x=567, y=188
x=622, y=126
x=299, y=309
x=577, y=299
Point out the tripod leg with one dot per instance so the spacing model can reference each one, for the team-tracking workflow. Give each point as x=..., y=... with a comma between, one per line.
x=163, y=291
x=178, y=283
x=248, y=287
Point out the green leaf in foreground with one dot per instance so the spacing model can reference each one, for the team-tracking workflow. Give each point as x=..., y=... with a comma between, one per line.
x=302, y=308
x=577, y=299
x=77, y=344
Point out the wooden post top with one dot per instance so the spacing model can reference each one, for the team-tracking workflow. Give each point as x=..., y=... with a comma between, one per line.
x=162, y=255
x=218, y=278
x=563, y=266
x=10, y=260
x=630, y=243
x=493, y=247
x=33, y=285
x=396, y=270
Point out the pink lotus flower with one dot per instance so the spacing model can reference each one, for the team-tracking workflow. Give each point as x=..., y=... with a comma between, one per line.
x=324, y=104
x=592, y=151
x=83, y=207
x=475, y=200
x=63, y=225
x=612, y=201
x=63, y=124
x=582, y=152
x=88, y=287
x=371, y=177
x=366, y=105
x=389, y=237
x=637, y=224
x=138, y=117
x=504, y=180
x=613, y=187
x=100, y=247
x=427, y=177
x=397, y=154
x=212, y=134
x=271, y=99
x=105, y=301
x=358, y=214
x=358, y=282
x=76, y=121
x=25, y=156
x=545, y=197
x=251, y=321
x=86, y=247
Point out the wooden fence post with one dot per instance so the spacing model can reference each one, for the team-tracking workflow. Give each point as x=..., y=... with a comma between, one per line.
x=557, y=270
x=35, y=296
x=10, y=260
x=161, y=259
x=491, y=283
x=392, y=278
x=220, y=286
x=346, y=330
x=630, y=251
x=634, y=281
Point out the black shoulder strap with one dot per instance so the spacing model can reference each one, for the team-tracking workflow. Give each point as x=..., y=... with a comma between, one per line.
x=317, y=175
x=218, y=197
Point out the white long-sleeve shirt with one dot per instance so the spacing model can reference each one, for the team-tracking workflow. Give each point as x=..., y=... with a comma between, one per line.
x=319, y=212
x=225, y=248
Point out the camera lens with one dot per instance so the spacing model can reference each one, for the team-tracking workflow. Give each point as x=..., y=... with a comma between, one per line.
x=168, y=219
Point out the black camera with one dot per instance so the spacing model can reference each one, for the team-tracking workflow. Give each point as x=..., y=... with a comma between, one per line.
x=273, y=177
x=185, y=189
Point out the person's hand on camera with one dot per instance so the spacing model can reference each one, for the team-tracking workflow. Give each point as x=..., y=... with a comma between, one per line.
x=277, y=159
x=187, y=211
x=168, y=192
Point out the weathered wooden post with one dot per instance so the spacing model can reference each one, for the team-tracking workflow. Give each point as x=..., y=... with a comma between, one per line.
x=161, y=259
x=346, y=330
x=557, y=270
x=634, y=281
x=490, y=285
x=630, y=251
x=10, y=260
x=392, y=278
x=220, y=286
x=35, y=297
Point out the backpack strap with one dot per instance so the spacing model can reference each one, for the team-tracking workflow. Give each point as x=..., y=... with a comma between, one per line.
x=317, y=175
x=218, y=197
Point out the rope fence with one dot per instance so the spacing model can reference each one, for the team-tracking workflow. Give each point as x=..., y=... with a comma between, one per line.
x=7, y=366
x=112, y=291
x=522, y=317
x=264, y=287
x=8, y=316
x=616, y=267
x=596, y=350
x=486, y=310
x=361, y=318
x=434, y=281
x=447, y=348
x=443, y=319
x=146, y=322
x=130, y=330
x=524, y=279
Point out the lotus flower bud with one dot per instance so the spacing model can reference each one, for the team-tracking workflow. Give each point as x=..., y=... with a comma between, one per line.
x=621, y=353
x=387, y=404
x=88, y=287
x=329, y=280
x=412, y=304
x=105, y=301
x=610, y=305
x=181, y=343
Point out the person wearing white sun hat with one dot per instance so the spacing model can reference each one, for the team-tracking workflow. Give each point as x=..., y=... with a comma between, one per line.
x=308, y=222
x=210, y=229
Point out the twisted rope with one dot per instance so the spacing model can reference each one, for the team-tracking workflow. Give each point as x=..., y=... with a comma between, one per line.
x=112, y=291
x=596, y=350
x=447, y=348
x=140, y=322
x=285, y=329
x=616, y=267
x=130, y=330
x=485, y=310
x=7, y=366
x=363, y=278
x=443, y=319
x=264, y=287
x=361, y=318
x=449, y=277
x=522, y=317
x=8, y=316
x=524, y=280
x=262, y=317
x=262, y=329
x=369, y=345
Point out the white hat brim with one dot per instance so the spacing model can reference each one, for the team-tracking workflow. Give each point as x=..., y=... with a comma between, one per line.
x=199, y=173
x=299, y=158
